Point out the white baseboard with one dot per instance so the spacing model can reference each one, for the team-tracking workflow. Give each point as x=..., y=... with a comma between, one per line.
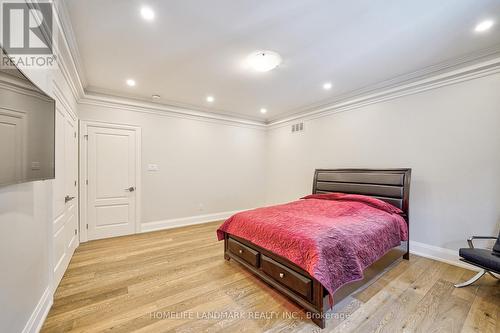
x=420, y=249
x=34, y=324
x=440, y=254
x=185, y=221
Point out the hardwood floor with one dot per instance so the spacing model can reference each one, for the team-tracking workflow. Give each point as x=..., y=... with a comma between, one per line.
x=178, y=281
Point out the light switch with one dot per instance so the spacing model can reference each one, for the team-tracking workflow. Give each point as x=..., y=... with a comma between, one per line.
x=153, y=167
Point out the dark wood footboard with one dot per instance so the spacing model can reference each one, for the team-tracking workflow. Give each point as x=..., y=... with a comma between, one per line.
x=280, y=273
x=295, y=283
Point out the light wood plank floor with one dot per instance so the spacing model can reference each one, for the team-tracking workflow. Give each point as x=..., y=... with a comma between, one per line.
x=177, y=281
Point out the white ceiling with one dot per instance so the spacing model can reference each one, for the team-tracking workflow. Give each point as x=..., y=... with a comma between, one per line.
x=194, y=48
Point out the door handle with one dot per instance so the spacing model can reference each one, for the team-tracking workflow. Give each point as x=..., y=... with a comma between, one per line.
x=68, y=198
x=130, y=189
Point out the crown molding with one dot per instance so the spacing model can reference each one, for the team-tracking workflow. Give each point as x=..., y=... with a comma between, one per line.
x=473, y=65
x=69, y=63
x=471, y=59
x=441, y=79
x=67, y=31
x=73, y=72
x=168, y=104
x=122, y=103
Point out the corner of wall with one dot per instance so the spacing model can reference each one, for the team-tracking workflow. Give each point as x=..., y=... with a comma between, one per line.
x=440, y=254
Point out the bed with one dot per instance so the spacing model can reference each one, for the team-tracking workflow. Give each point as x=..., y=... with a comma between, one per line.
x=321, y=248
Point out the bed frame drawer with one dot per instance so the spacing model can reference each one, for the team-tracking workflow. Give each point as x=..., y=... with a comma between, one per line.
x=292, y=280
x=244, y=252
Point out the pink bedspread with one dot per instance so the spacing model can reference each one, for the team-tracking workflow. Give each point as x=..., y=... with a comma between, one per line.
x=333, y=237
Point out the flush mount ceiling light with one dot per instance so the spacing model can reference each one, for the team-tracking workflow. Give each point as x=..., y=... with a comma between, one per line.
x=147, y=13
x=263, y=110
x=484, y=26
x=327, y=85
x=131, y=83
x=210, y=99
x=263, y=61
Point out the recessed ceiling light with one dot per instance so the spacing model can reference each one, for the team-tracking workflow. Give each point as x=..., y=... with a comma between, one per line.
x=210, y=99
x=263, y=61
x=327, y=85
x=484, y=26
x=147, y=13
x=263, y=110
x=131, y=83
x=155, y=97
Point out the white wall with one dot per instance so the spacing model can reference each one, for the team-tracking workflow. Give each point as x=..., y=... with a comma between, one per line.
x=205, y=167
x=26, y=239
x=449, y=136
x=24, y=252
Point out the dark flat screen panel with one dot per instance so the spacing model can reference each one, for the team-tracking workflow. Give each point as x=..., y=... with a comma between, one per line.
x=27, y=130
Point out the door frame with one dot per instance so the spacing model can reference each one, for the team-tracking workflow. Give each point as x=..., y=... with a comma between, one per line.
x=63, y=106
x=84, y=125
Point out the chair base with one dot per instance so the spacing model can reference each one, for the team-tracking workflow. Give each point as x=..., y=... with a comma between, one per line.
x=475, y=278
x=472, y=280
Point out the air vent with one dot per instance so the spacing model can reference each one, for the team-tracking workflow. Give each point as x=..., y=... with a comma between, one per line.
x=299, y=127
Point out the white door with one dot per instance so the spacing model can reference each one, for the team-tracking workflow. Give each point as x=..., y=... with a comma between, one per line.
x=65, y=225
x=112, y=180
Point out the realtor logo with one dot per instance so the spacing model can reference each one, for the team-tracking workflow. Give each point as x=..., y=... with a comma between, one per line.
x=27, y=33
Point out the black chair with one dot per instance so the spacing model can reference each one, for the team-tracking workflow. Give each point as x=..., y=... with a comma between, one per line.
x=487, y=260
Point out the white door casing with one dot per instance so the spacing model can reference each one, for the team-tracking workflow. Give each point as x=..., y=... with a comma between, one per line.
x=111, y=166
x=65, y=190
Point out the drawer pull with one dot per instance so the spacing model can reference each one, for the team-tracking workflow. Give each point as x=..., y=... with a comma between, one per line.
x=287, y=277
x=243, y=252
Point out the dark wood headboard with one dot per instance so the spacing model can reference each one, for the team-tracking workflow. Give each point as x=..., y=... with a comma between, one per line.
x=390, y=185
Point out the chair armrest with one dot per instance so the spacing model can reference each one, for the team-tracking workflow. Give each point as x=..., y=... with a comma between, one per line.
x=471, y=244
